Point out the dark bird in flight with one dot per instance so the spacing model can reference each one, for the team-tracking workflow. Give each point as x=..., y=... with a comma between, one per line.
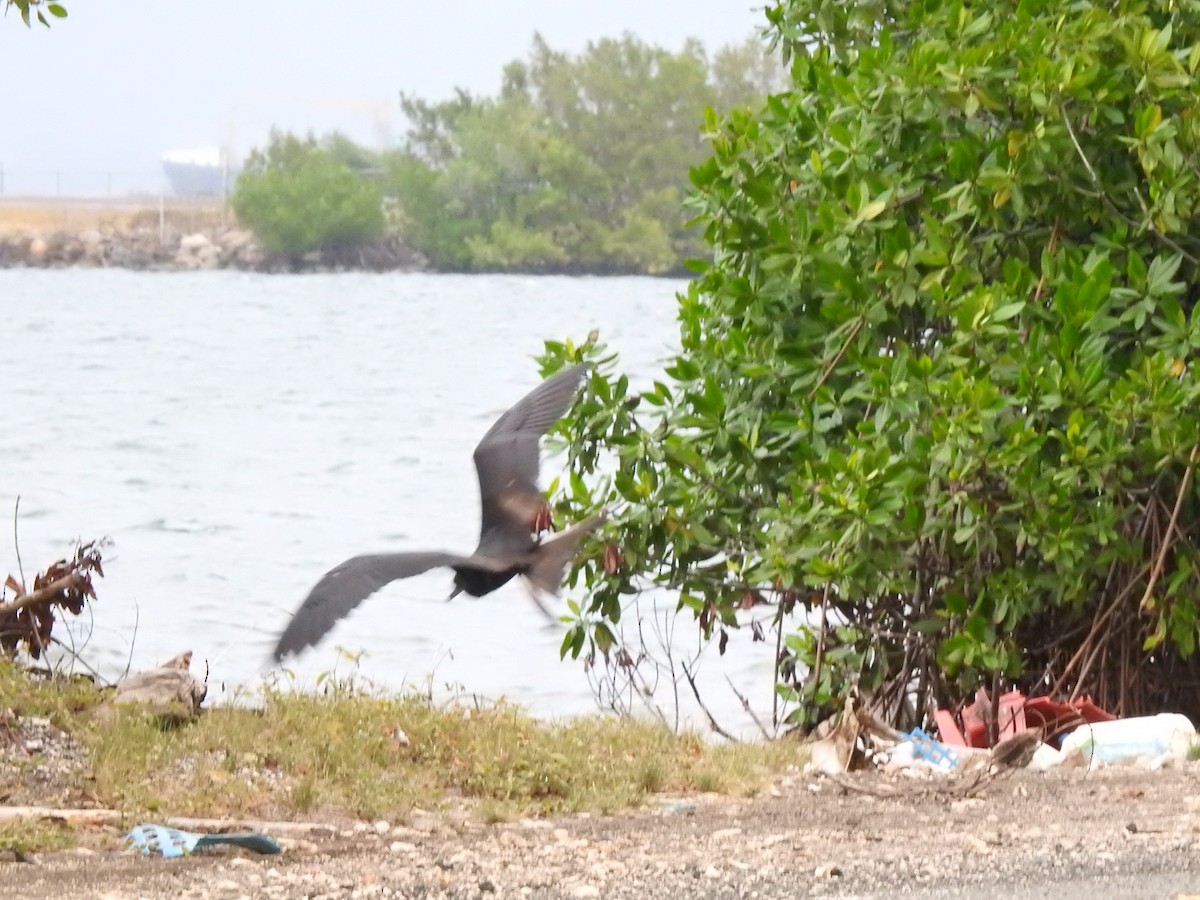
x=514, y=512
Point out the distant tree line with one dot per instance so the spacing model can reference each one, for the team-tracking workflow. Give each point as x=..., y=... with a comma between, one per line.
x=580, y=164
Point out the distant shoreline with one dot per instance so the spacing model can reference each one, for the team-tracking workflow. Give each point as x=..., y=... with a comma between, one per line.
x=159, y=235
x=225, y=248
x=180, y=235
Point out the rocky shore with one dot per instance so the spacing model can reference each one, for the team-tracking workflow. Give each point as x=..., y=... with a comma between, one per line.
x=218, y=248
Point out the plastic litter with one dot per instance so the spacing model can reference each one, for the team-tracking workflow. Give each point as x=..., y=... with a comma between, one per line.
x=172, y=843
x=925, y=747
x=1046, y=757
x=1017, y=713
x=1166, y=735
x=679, y=807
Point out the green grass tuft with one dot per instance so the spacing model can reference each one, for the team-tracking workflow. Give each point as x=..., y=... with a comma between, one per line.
x=336, y=755
x=28, y=835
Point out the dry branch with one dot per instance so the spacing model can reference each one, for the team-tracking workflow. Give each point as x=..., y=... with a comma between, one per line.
x=712, y=722
x=65, y=585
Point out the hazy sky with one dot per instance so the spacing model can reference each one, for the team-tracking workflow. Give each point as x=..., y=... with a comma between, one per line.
x=98, y=97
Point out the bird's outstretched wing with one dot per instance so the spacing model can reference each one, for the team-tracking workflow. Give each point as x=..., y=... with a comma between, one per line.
x=507, y=457
x=345, y=586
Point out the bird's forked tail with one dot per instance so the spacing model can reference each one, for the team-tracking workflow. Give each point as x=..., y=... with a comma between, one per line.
x=552, y=556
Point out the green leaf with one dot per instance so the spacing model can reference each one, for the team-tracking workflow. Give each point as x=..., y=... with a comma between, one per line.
x=1008, y=311
x=568, y=644
x=872, y=209
x=604, y=638
x=1162, y=271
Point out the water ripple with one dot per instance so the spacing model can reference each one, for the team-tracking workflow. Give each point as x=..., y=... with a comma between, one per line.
x=238, y=434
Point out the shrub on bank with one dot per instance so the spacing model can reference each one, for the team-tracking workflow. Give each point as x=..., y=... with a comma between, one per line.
x=297, y=198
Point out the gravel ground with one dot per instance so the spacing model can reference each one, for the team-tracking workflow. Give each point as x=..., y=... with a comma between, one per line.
x=1115, y=832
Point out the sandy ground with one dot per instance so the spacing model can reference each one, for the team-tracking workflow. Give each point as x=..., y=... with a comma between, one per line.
x=21, y=215
x=1115, y=832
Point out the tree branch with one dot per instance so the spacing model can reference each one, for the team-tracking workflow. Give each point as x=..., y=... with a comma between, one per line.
x=838, y=356
x=42, y=594
x=1169, y=537
x=712, y=722
x=1149, y=226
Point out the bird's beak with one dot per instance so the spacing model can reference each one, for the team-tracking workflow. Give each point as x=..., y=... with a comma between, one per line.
x=454, y=593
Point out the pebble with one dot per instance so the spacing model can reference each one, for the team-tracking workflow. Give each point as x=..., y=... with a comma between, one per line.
x=419, y=820
x=450, y=862
x=298, y=845
x=977, y=844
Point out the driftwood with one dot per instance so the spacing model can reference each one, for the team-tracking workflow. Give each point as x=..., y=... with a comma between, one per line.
x=169, y=690
x=215, y=826
x=70, y=816
x=98, y=817
x=833, y=744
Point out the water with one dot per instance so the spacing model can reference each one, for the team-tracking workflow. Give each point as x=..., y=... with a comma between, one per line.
x=236, y=435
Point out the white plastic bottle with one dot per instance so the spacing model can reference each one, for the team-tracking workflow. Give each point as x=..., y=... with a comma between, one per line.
x=1124, y=740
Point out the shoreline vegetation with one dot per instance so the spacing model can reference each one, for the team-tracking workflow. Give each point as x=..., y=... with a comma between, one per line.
x=110, y=234
x=77, y=752
x=349, y=752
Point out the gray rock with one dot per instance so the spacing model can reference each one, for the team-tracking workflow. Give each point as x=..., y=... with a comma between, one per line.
x=194, y=242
